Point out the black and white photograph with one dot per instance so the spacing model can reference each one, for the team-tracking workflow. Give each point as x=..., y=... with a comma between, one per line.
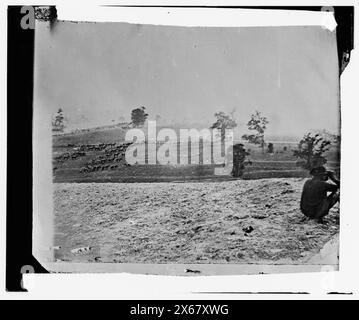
x=193, y=151
x=191, y=146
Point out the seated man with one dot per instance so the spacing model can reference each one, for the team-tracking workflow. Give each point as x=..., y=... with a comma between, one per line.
x=315, y=203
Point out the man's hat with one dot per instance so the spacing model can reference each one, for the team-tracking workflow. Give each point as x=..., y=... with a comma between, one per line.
x=317, y=171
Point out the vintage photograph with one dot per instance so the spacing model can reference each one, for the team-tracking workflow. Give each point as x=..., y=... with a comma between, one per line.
x=198, y=147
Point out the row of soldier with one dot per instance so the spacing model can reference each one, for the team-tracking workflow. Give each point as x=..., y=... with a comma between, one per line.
x=95, y=147
x=110, y=160
x=90, y=168
x=69, y=156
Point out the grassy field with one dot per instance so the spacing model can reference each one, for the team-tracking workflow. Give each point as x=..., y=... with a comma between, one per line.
x=102, y=150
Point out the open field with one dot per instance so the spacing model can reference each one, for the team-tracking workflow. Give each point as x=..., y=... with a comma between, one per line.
x=190, y=222
x=90, y=136
x=187, y=214
x=103, y=151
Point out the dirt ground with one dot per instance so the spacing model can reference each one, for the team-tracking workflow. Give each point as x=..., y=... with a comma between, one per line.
x=189, y=222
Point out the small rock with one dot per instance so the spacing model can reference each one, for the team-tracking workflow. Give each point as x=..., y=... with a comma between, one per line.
x=197, y=228
x=81, y=250
x=240, y=255
x=287, y=191
x=259, y=216
x=248, y=229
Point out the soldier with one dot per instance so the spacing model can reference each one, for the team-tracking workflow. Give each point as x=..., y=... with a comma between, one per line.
x=315, y=203
x=239, y=160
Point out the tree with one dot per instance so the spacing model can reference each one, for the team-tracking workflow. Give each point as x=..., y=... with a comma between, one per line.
x=139, y=116
x=257, y=123
x=223, y=122
x=58, y=122
x=311, y=149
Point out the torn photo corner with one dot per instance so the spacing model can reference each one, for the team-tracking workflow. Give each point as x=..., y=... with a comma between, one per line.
x=184, y=141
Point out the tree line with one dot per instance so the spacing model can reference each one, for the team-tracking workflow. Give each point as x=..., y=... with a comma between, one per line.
x=310, y=150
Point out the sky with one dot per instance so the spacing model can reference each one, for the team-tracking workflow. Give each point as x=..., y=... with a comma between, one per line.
x=98, y=72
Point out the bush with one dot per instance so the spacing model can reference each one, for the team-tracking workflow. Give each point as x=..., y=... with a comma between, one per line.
x=310, y=151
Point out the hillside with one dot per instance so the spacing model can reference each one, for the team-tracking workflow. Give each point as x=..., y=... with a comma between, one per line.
x=98, y=155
